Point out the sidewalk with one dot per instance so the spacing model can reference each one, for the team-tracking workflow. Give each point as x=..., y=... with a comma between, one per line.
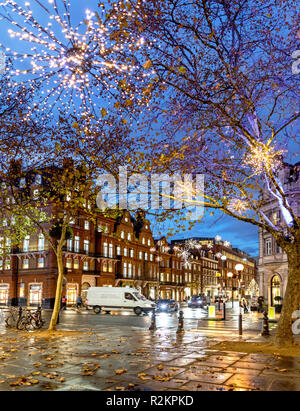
x=101, y=357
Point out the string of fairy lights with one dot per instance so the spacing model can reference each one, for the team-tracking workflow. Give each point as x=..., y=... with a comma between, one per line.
x=74, y=69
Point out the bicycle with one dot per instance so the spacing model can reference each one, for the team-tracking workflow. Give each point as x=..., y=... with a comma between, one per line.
x=31, y=321
x=13, y=317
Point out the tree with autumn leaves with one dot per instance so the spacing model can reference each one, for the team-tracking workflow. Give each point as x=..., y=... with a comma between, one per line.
x=69, y=158
x=225, y=99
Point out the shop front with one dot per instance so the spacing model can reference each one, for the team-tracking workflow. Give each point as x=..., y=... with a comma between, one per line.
x=35, y=294
x=71, y=293
x=4, y=292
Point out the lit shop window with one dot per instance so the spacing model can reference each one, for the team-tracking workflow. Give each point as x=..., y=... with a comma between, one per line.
x=26, y=264
x=4, y=288
x=110, y=267
x=85, y=266
x=69, y=263
x=71, y=293
x=35, y=294
x=22, y=290
x=76, y=264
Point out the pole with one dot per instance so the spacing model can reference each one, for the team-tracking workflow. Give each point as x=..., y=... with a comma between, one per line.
x=240, y=310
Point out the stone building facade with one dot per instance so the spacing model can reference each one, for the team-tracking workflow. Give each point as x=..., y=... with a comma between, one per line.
x=272, y=262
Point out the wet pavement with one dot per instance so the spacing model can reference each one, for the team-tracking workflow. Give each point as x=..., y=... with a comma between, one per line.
x=119, y=352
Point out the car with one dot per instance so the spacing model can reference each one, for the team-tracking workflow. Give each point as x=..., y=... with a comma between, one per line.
x=166, y=305
x=197, y=302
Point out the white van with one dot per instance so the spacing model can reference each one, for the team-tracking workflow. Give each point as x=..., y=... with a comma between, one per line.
x=116, y=298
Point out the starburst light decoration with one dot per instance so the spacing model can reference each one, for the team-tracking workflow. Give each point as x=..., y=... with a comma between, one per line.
x=71, y=68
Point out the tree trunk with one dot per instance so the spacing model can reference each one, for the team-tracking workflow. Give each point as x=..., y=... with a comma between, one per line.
x=291, y=302
x=58, y=294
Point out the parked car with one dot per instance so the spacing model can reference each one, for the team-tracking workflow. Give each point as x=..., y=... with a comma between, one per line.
x=167, y=305
x=117, y=298
x=197, y=302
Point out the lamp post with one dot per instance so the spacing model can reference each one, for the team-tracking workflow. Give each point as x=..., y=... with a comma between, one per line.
x=239, y=268
x=230, y=275
x=223, y=258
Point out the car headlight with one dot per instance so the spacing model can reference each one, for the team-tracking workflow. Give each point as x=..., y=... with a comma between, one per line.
x=164, y=306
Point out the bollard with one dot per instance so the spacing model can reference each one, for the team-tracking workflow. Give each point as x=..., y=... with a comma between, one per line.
x=240, y=323
x=153, y=321
x=265, y=330
x=180, y=328
x=224, y=310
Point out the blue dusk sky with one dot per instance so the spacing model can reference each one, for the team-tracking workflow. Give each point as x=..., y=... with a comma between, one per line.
x=239, y=234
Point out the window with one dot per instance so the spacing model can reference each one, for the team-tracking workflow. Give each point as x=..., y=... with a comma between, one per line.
x=105, y=249
x=76, y=244
x=7, y=264
x=69, y=244
x=38, y=179
x=124, y=269
x=146, y=256
x=110, y=267
x=35, y=194
x=85, y=266
x=26, y=243
x=118, y=250
x=122, y=235
x=129, y=270
x=151, y=257
x=86, y=246
x=41, y=243
x=86, y=225
x=76, y=264
x=129, y=237
x=69, y=263
x=111, y=250
x=149, y=242
x=105, y=266
x=25, y=264
x=131, y=253
x=268, y=246
x=125, y=252
x=128, y=296
x=41, y=262
x=143, y=240
x=140, y=255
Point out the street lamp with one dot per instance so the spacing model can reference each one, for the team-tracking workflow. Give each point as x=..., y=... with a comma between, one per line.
x=223, y=258
x=239, y=268
x=230, y=275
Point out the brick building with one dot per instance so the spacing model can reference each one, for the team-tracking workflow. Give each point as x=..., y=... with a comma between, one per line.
x=112, y=251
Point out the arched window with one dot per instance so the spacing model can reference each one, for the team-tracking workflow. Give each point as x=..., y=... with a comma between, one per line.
x=275, y=288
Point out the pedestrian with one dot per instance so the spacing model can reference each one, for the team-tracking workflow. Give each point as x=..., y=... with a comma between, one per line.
x=64, y=303
x=79, y=302
x=245, y=305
